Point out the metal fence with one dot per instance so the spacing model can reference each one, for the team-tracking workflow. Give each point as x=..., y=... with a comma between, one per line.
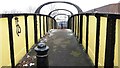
x=98, y=34
x=18, y=33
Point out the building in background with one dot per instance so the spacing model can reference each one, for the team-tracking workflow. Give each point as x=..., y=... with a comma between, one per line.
x=111, y=8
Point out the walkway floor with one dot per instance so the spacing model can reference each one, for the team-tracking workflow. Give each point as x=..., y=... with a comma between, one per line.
x=64, y=50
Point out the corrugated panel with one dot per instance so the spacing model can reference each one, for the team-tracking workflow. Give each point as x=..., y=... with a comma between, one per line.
x=30, y=23
x=4, y=45
x=84, y=32
x=92, y=37
x=19, y=41
x=103, y=26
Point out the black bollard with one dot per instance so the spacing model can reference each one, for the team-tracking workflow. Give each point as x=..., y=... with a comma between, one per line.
x=42, y=56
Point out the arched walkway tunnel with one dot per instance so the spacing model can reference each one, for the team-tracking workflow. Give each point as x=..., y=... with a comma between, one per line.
x=59, y=34
x=60, y=13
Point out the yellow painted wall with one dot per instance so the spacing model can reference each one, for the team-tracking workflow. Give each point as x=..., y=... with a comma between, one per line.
x=19, y=41
x=30, y=23
x=38, y=28
x=4, y=45
x=102, y=42
x=103, y=27
x=92, y=37
x=116, y=43
x=84, y=32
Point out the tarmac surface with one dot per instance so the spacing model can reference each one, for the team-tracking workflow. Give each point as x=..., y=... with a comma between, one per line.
x=64, y=50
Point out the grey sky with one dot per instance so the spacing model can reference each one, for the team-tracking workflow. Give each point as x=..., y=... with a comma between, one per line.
x=25, y=5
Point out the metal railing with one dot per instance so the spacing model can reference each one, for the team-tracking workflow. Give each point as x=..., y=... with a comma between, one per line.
x=98, y=34
x=19, y=32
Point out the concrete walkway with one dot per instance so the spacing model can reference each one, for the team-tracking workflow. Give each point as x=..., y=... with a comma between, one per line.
x=64, y=49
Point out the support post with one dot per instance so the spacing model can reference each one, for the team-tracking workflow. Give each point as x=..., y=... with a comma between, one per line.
x=110, y=42
x=97, y=40
x=87, y=32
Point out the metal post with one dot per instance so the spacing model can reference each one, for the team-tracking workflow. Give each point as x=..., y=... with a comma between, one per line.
x=110, y=42
x=42, y=56
x=97, y=40
x=11, y=42
x=87, y=32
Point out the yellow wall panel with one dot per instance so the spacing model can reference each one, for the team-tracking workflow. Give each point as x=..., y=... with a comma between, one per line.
x=116, y=43
x=92, y=37
x=45, y=24
x=1, y=42
x=30, y=23
x=84, y=32
x=19, y=41
x=42, y=26
x=38, y=28
x=74, y=24
x=76, y=20
x=103, y=27
x=79, y=28
x=5, y=47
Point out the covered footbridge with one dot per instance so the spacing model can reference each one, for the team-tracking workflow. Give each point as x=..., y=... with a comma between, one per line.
x=65, y=37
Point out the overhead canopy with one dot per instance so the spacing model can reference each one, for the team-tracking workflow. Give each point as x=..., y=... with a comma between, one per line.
x=46, y=8
x=61, y=11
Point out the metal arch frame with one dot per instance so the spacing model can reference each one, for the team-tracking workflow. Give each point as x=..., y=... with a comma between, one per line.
x=39, y=8
x=60, y=14
x=60, y=9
